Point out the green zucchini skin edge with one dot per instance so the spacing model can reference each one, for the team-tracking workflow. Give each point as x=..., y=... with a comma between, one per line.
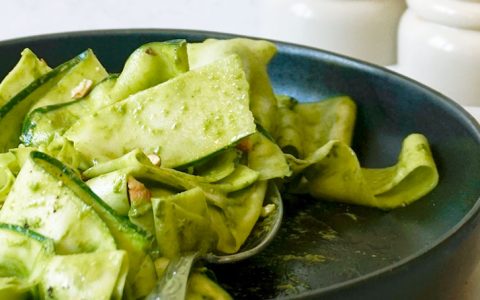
x=209, y=156
x=24, y=231
x=40, y=81
x=29, y=123
x=7, y=140
x=37, y=156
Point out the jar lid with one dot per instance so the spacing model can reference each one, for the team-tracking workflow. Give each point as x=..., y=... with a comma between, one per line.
x=456, y=13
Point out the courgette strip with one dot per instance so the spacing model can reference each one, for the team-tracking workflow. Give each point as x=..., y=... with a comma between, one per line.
x=127, y=236
x=15, y=110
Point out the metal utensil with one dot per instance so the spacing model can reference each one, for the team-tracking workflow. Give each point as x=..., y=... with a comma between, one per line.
x=173, y=284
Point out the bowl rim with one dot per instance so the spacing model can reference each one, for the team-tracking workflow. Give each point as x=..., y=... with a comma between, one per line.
x=287, y=47
x=447, y=104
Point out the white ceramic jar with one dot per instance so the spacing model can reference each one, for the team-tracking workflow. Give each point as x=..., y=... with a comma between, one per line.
x=364, y=29
x=439, y=45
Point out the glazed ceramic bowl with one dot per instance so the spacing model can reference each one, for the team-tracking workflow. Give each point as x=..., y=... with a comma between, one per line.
x=335, y=251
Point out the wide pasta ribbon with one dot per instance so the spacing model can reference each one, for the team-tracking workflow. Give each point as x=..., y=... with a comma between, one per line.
x=317, y=138
x=333, y=172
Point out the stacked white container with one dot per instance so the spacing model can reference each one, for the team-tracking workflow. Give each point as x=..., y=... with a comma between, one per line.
x=365, y=29
x=439, y=45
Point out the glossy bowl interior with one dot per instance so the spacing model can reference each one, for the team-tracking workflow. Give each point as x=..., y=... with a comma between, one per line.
x=337, y=251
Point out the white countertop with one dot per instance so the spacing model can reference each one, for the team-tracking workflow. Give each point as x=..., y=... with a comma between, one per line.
x=31, y=17
x=474, y=111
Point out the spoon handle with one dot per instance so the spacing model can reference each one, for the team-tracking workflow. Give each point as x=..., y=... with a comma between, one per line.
x=173, y=284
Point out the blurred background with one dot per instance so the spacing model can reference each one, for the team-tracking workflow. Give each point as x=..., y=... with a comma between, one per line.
x=436, y=42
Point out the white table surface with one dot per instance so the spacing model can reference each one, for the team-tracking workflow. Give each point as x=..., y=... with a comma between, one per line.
x=474, y=111
x=20, y=18
x=30, y=17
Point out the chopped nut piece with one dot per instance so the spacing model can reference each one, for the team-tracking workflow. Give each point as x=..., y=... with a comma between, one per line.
x=155, y=159
x=150, y=51
x=82, y=89
x=245, y=145
x=268, y=209
x=137, y=192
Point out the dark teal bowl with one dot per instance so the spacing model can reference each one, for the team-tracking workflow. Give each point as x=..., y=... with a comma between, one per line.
x=334, y=251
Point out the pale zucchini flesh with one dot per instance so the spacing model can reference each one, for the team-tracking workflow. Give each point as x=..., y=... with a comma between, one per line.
x=182, y=120
x=28, y=69
x=76, y=83
x=15, y=110
x=44, y=123
x=149, y=65
x=99, y=275
x=23, y=256
x=255, y=56
x=43, y=203
x=127, y=236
